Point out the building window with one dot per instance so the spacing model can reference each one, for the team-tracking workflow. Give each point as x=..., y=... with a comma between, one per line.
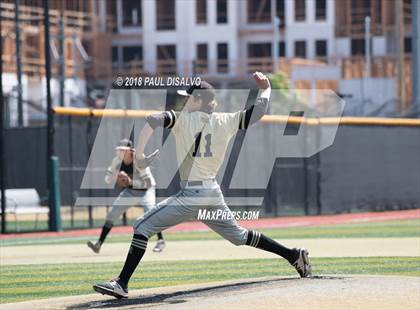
x=131, y=53
x=361, y=5
x=359, y=10
x=259, y=11
x=300, y=49
x=281, y=12
x=222, y=11
x=357, y=47
x=32, y=49
x=166, y=59
x=259, y=50
x=321, y=48
x=321, y=10
x=115, y=57
x=222, y=58
x=300, y=10
x=407, y=45
x=201, y=11
x=201, y=63
x=259, y=57
x=111, y=10
x=131, y=13
x=165, y=14
x=282, y=49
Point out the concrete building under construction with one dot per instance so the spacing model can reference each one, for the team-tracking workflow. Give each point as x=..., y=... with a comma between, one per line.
x=354, y=47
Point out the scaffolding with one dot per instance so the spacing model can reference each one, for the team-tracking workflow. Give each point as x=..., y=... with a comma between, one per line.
x=81, y=37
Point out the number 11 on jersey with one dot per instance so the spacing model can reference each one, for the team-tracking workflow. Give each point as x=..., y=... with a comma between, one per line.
x=197, y=152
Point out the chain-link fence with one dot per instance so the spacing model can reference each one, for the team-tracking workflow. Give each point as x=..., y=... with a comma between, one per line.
x=370, y=167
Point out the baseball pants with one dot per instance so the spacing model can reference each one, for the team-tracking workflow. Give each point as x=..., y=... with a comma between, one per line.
x=131, y=198
x=185, y=206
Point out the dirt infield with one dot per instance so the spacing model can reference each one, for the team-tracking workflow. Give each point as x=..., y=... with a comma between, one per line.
x=210, y=249
x=327, y=292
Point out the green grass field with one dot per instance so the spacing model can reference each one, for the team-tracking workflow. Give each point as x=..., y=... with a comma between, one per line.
x=27, y=282
x=386, y=229
x=42, y=225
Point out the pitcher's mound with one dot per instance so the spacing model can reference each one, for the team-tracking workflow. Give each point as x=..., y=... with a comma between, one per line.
x=320, y=292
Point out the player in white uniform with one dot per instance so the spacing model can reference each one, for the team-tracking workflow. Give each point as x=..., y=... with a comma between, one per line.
x=202, y=137
x=138, y=189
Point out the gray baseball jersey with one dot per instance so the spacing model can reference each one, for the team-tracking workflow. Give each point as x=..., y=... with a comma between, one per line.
x=201, y=141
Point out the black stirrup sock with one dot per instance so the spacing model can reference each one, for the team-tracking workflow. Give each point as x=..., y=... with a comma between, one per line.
x=135, y=254
x=105, y=231
x=260, y=241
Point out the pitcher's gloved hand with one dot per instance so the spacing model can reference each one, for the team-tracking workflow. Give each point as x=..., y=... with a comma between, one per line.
x=123, y=180
x=142, y=162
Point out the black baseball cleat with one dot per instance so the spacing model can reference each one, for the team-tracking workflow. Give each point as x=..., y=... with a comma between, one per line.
x=112, y=288
x=302, y=264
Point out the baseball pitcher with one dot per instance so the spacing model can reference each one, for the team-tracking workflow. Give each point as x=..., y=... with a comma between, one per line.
x=201, y=136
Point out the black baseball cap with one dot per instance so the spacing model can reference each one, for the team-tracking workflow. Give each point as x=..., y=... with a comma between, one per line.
x=124, y=145
x=204, y=90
